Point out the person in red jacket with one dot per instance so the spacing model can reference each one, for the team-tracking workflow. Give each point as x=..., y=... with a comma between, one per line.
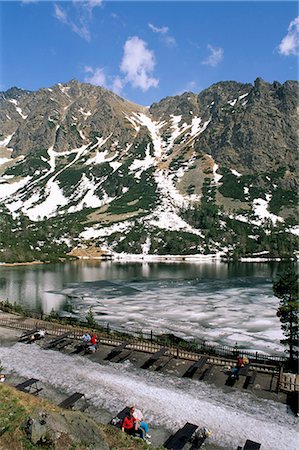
x=129, y=424
x=93, y=340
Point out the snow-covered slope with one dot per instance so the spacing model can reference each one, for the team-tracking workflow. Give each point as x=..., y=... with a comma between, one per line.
x=139, y=180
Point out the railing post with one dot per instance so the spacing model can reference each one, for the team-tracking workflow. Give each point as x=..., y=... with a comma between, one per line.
x=108, y=328
x=151, y=336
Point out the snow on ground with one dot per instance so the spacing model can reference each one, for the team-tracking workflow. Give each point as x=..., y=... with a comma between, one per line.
x=6, y=141
x=100, y=156
x=85, y=114
x=93, y=232
x=154, y=130
x=233, y=102
x=49, y=206
x=81, y=135
x=4, y=161
x=64, y=89
x=166, y=218
x=242, y=96
x=166, y=402
x=142, y=164
x=18, y=109
x=8, y=189
x=260, y=208
x=195, y=126
x=217, y=177
x=234, y=172
x=90, y=199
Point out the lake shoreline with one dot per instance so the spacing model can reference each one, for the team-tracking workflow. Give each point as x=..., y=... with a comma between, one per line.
x=146, y=258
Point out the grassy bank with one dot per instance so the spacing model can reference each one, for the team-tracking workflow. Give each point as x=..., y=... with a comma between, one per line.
x=16, y=407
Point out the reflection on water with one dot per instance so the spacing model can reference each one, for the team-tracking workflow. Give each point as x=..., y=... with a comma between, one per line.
x=224, y=303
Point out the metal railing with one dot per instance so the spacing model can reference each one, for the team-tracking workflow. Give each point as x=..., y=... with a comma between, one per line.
x=145, y=341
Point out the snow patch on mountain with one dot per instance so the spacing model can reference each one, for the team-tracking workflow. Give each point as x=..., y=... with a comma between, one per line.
x=86, y=191
x=18, y=109
x=165, y=217
x=85, y=114
x=97, y=231
x=142, y=164
x=260, y=208
x=217, y=176
x=6, y=141
x=48, y=208
x=8, y=189
x=234, y=172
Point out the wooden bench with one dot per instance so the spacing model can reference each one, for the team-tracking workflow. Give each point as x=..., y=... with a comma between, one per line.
x=26, y=336
x=181, y=437
x=251, y=445
x=64, y=343
x=250, y=379
x=244, y=370
x=116, y=351
x=206, y=372
x=69, y=402
x=196, y=366
x=118, y=419
x=29, y=386
x=57, y=341
x=154, y=358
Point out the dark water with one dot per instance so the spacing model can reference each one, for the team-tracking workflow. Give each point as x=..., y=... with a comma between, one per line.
x=224, y=303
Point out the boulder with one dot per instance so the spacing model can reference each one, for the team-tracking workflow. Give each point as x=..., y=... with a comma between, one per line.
x=61, y=431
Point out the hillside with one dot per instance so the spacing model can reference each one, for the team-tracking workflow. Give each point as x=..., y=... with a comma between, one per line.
x=208, y=173
x=31, y=423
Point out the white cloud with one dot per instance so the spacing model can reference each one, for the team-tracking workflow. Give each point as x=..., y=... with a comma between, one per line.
x=82, y=12
x=88, y=69
x=163, y=31
x=117, y=85
x=138, y=63
x=290, y=43
x=60, y=14
x=97, y=76
x=215, y=57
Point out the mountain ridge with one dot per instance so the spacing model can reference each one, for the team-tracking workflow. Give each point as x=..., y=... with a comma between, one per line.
x=198, y=173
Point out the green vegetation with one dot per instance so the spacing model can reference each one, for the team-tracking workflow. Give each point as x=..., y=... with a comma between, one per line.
x=141, y=195
x=286, y=289
x=232, y=187
x=90, y=320
x=22, y=240
x=165, y=242
x=282, y=198
x=15, y=409
x=29, y=165
x=69, y=178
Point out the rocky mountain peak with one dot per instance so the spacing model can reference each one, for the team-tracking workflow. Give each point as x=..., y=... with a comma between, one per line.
x=180, y=176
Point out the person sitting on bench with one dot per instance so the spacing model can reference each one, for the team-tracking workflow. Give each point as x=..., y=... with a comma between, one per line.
x=92, y=344
x=129, y=424
x=86, y=337
x=141, y=425
x=235, y=371
x=38, y=335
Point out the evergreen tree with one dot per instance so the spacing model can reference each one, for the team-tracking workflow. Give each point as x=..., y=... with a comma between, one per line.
x=90, y=318
x=286, y=289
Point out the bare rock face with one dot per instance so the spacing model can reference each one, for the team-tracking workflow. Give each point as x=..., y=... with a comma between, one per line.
x=61, y=431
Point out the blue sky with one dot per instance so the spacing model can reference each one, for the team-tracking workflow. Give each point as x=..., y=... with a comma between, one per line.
x=145, y=51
